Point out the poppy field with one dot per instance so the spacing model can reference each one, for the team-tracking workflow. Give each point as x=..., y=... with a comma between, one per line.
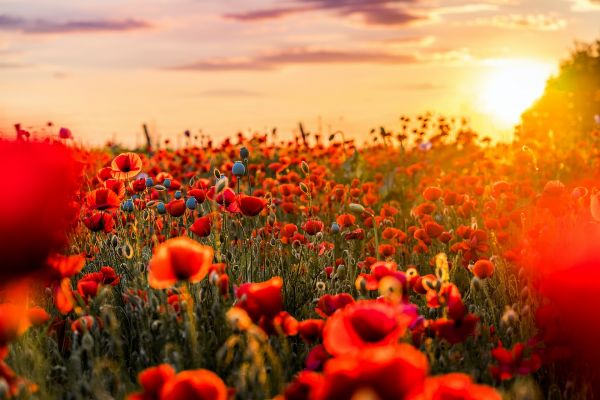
x=425, y=263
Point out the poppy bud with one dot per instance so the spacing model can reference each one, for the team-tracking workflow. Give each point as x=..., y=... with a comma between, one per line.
x=335, y=228
x=191, y=203
x=305, y=168
x=238, y=169
x=304, y=188
x=222, y=183
x=356, y=208
x=127, y=206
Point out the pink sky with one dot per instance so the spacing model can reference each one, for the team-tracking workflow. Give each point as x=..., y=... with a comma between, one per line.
x=102, y=67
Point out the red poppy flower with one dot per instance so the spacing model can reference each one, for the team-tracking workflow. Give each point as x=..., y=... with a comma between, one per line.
x=386, y=373
x=345, y=220
x=386, y=250
x=311, y=329
x=251, y=206
x=152, y=380
x=454, y=386
x=176, y=208
x=195, y=384
x=328, y=304
x=303, y=387
x=513, y=362
x=364, y=325
x=483, y=269
x=60, y=266
x=36, y=206
x=37, y=316
x=198, y=194
x=455, y=331
x=102, y=199
x=261, y=299
x=99, y=222
x=179, y=259
x=201, y=226
x=433, y=229
x=432, y=193
x=83, y=324
x=13, y=322
x=313, y=226
x=126, y=166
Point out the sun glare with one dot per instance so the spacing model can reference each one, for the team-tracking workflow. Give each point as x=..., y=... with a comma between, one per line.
x=511, y=87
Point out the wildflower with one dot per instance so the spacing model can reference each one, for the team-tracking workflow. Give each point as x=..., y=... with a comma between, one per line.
x=37, y=316
x=303, y=386
x=513, y=362
x=328, y=304
x=176, y=208
x=346, y=220
x=432, y=193
x=13, y=323
x=201, y=226
x=261, y=299
x=36, y=206
x=251, y=206
x=454, y=386
x=364, y=325
x=311, y=329
x=483, y=269
x=387, y=372
x=194, y=384
x=126, y=166
x=102, y=199
x=179, y=259
x=313, y=226
x=152, y=380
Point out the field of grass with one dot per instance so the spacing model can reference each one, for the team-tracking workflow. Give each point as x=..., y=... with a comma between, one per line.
x=429, y=263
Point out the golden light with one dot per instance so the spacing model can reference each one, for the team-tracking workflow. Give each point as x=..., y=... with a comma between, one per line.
x=511, y=87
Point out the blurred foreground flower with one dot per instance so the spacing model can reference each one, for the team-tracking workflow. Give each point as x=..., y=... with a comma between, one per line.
x=36, y=208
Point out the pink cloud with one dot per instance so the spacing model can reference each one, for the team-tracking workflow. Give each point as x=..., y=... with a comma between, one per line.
x=297, y=56
x=44, y=26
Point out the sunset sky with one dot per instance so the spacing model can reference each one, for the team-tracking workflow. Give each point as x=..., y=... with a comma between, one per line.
x=102, y=67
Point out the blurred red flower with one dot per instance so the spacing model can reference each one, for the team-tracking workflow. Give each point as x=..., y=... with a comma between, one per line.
x=386, y=373
x=42, y=179
x=179, y=259
x=364, y=325
x=261, y=299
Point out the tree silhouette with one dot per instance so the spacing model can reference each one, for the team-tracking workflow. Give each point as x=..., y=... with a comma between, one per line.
x=570, y=104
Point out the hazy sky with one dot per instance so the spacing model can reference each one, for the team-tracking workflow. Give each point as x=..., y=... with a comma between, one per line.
x=102, y=67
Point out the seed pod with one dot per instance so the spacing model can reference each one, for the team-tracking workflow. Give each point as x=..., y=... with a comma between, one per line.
x=356, y=208
x=305, y=168
x=304, y=188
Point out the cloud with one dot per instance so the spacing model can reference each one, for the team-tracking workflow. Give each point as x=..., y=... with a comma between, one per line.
x=371, y=12
x=44, y=26
x=296, y=56
x=11, y=65
x=539, y=22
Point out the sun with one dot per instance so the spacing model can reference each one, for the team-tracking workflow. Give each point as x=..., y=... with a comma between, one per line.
x=511, y=86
